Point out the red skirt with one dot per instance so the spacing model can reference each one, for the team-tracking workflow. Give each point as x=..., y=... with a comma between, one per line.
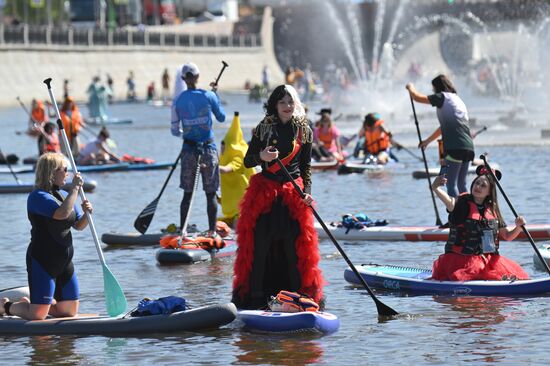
x=457, y=267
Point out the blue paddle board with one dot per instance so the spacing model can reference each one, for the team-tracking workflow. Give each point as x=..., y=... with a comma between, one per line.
x=271, y=321
x=418, y=281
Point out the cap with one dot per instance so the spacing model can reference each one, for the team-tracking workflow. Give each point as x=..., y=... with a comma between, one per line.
x=372, y=118
x=325, y=110
x=190, y=68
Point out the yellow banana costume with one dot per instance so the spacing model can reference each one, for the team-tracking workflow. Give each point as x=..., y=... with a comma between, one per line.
x=233, y=184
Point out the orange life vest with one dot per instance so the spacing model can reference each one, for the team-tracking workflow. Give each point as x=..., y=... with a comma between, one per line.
x=53, y=144
x=292, y=302
x=200, y=242
x=38, y=114
x=327, y=138
x=376, y=140
x=73, y=124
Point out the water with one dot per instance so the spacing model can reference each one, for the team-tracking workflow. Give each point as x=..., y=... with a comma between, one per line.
x=432, y=330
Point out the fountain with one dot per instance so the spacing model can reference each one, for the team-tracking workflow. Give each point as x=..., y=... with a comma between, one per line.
x=498, y=65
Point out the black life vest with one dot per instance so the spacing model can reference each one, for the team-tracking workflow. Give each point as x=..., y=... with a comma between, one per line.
x=465, y=238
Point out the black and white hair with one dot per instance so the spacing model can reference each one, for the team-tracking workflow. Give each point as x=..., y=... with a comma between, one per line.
x=279, y=93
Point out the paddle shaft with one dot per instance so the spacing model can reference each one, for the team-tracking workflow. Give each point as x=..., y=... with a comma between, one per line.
x=66, y=145
x=221, y=72
x=35, y=123
x=382, y=308
x=10, y=168
x=27, y=111
x=174, y=166
x=399, y=146
x=437, y=219
x=483, y=129
x=195, y=185
x=144, y=218
x=525, y=231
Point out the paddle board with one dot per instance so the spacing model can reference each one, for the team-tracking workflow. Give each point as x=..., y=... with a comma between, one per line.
x=188, y=256
x=108, y=121
x=270, y=321
x=325, y=165
x=117, y=167
x=420, y=174
x=205, y=317
x=417, y=281
x=89, y=186
x=413, y=233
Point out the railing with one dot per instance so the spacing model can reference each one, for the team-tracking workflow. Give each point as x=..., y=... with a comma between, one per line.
x=30, y=35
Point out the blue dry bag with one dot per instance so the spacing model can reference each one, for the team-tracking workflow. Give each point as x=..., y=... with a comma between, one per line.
x=163, y=305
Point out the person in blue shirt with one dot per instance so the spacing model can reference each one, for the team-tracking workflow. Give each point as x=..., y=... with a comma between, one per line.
x=192, y=121
x=52, y=280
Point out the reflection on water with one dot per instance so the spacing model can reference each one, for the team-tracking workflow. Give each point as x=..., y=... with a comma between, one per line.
x=285, y=349
x=480, y=314
x=48, y=348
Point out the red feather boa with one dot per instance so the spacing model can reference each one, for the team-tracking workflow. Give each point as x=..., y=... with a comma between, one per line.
x=258, y=200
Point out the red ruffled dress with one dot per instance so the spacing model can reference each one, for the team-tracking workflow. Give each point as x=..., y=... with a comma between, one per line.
x=453, y=266
x=278, y=245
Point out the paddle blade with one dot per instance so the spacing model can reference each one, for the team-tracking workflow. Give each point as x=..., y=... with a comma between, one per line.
x=146, y=216
x=384, y=310
x=115, y=300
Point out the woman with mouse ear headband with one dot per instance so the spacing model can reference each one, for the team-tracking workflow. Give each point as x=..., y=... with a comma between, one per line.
x=475, y=229
x=278, y=245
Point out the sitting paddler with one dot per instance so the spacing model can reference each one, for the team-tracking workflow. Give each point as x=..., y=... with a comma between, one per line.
x=97, y=152
x=476, y=224
x=52, y=280
x=377, y=138
x=48, y=141
x=234, y=176
x=326, y=137
x=278, y=245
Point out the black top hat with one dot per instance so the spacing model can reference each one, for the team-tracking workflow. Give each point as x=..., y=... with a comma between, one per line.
x=325, y=110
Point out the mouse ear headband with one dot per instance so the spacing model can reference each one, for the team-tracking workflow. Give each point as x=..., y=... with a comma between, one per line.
x=482, y=170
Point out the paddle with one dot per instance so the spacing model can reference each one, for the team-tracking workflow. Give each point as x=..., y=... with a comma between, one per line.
x=438, y=220
x=525, y=231
x=383, y=309
x=115, y=300
x=474, y=135
x=34, y=122
x=401, y=147
x=9, y=166
x=146, y=216
x=195, y=184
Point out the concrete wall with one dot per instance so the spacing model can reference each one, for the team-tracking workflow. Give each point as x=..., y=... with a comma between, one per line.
x=22, y=69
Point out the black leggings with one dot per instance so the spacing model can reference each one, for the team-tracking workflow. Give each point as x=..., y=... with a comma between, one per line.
x=211, y=209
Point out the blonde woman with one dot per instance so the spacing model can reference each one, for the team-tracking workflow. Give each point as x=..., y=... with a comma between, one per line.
x=52, y=280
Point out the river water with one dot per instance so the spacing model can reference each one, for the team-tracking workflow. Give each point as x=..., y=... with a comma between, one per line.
x=431, y=330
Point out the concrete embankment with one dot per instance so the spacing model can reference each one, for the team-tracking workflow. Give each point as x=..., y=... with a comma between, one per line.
x=23, y=68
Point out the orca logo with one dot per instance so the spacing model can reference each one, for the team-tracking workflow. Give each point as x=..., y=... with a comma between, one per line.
x=462, y=290
x=391, y=284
